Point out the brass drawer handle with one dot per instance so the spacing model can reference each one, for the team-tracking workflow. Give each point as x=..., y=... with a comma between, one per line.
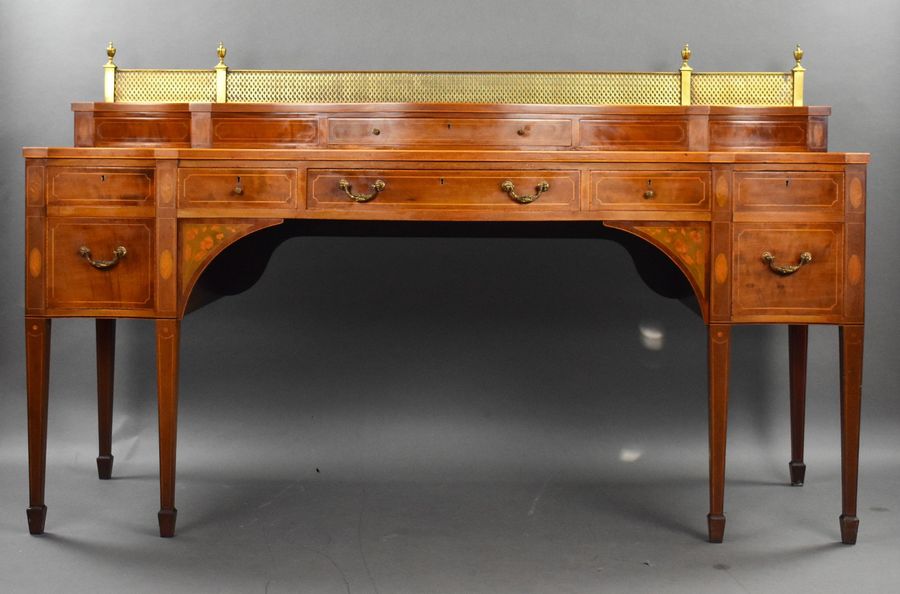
x=238, y=187
x=510, y=189
x=378, y=186
x=768, y=258
x=118, y=254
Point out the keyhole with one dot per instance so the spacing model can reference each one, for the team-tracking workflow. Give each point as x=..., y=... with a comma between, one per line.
x=787, y=182
x=442, y=181
x=239, y=179
x=649, y=183
x=448, y=126
x=102, y=178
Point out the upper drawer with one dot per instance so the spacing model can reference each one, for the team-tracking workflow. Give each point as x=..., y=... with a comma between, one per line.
x=449, y=131
x=237, y=187
x=100, y=186
x=650, y=190
x=789, y=191
x=448, y=189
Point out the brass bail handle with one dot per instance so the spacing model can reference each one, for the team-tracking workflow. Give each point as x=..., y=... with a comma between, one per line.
x=510, y=188
x=768, y=258
x=377, y=187
x=118, y=254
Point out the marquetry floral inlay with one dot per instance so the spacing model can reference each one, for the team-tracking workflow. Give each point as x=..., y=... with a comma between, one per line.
x=689, y=244
x=200, y=240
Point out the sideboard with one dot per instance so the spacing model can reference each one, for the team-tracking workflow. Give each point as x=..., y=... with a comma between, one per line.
x=726, y=174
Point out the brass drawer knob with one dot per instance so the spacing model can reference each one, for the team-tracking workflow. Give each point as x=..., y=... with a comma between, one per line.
x=648, y=194
x=510, y=189
x=238, y=187
x=768, y=258
x=377, y=187
x=118, y=254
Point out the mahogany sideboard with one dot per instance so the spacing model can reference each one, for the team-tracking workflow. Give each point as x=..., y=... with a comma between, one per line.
x=726, y=174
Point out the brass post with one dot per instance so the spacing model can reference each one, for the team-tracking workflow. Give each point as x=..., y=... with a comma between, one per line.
x=685, y=75
x=109, y=75
x=798, y=72
x=221, y=76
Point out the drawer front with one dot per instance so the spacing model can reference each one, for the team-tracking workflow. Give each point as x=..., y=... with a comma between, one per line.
x=100, y=186
x=635, y=134
x=651, y=190
x=815, y=287
x=468, y=132
x=263, y=132
x=237, y=187
x=789, y=191
x=72, y=282
x=436, y=189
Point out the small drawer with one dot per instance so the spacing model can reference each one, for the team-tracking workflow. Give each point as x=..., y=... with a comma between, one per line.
x=450, y=131
x=774, y=277
x=113, y=280
x=237, y=187
x=804, y=192
x=100, y=186
x=650, y=190
x=331, y=189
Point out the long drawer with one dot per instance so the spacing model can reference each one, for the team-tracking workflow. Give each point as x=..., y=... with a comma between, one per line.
x=450, y=131
x=787, y=269
x=343, y=189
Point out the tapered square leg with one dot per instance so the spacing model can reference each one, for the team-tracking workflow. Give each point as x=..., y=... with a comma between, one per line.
x=718, y=350
x=851, y=338
x=798, y=337
x=37, y=363
x=106, y=357
x=167, y=343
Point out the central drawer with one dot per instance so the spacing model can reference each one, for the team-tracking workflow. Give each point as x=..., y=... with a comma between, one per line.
x=334, y=189
x=237, y=187
x=650, y=190
x=449, y=131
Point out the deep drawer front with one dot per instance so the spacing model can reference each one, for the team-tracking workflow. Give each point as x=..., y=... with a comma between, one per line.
x=813, y=289
x=100, y=186
x=789, y=191
x=651, y=190
x=436, y=189
x=468, y=132
x=72, y=281
x=237, y=187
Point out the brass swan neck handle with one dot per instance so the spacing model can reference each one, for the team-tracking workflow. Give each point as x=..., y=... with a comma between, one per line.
x=118, y=253
x=769, y=258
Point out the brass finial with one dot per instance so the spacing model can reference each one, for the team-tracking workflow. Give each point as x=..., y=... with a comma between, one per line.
x=685, y=54
x=110, y=52
x=798, y=54
x=221, y=52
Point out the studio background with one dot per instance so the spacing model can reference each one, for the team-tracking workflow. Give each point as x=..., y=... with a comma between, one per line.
x=527, y=362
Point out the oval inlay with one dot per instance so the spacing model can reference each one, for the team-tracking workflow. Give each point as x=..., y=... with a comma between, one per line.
x=34, y=262
x=166, y=263
x=856, y=193
x=854, y=270
x=722, y=191
x=721, y=269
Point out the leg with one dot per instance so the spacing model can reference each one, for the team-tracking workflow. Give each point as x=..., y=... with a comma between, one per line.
x=167, y=337
x=718, y=345
x=106, y=357
x=851, y=393
x=797, y=340
x=37, y=361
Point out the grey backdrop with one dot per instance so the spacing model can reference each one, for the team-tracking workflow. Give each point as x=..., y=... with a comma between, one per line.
x=450, y=359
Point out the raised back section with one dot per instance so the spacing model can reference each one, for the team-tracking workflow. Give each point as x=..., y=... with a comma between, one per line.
x=673, y=111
